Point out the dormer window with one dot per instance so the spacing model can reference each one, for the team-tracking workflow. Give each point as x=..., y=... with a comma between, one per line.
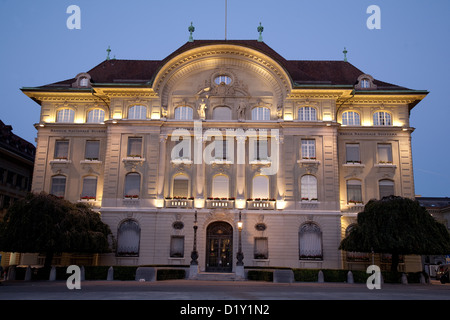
x=365, y=84
x=365, y=81
x=84, y=82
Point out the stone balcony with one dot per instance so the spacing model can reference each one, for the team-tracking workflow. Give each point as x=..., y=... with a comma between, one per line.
x=219, y=203
x=255, y=204
x=179, y=203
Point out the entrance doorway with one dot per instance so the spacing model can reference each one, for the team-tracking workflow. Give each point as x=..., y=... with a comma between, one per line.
x=219, y=247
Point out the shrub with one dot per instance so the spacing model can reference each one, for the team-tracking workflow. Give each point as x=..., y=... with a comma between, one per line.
x=260, y=275
x=170, y=274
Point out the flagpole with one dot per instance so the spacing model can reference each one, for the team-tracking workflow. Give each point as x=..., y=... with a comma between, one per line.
x=225, y=19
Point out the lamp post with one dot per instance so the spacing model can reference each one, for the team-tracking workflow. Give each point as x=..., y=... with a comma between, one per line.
x=194, y=253
x=240, y=255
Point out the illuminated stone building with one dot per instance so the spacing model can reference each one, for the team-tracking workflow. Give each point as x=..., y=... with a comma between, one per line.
x=292, y=149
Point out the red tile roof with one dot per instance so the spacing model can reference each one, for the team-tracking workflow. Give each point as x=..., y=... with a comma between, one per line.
x=302, y=73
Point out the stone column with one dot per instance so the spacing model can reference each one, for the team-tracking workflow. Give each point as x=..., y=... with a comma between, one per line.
x=240, y=171
x=161, y=169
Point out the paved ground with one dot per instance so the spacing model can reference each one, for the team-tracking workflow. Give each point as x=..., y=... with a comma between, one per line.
x=182, y=299
x=217, y=290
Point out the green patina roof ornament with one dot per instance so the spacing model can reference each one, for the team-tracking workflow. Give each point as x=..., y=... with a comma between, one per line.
x=109, y=51
x=345, y=54
x=191, y=29
x=260, y=30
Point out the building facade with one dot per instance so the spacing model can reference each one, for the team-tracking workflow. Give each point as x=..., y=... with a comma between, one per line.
x=221, y=132
x=16, y=172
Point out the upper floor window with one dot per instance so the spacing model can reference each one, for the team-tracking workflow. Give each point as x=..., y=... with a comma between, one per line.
x=134, y=147
x=260, y=187
x=180, y=186
x=354, y=193
x=386, y=188
x=352, y=153
x=92, y=149
x=220, y=186
x=261, y=113
x=183, y=113
x=65, y=115
x=132, y=185
x=258, y=149
x=61, y=149
x=89, y=190
x=351, y=118
x=308, y=149
x=384, y=153
x=58, y=187
x=137, y=112
x=222, y=79
x=96, y=116
x=308, y=186
x=307, y=114
x=382, y=118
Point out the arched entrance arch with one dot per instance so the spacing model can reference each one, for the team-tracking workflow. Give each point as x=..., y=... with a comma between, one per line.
x=219, y=247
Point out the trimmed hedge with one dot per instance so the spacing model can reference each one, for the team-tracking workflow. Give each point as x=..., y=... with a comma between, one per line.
x=260, y=275
x=170, y=274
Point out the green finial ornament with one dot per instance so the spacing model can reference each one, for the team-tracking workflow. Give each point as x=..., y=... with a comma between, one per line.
x=345, y=54
x=260, y=30
x=191, y=29
x=109, y=51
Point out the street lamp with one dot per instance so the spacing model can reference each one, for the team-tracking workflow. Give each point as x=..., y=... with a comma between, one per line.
x=194, y=253
x=240, y=255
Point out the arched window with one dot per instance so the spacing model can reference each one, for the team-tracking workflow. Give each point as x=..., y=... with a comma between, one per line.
x=58, y=187
x=89, y=190
x=128, y=236
x=310, y=242
x=96, y=116
x=132, y=185
x=364, y=83
x=220, y=186
x=382, y=118
x=351, y=118
x=261, y=113
x=137, y=112
x=307, y=114
x=65, y=115
x=354, y=193
x=308, y=186
x=260, y=187
x=386, y=188
x=180, y=186
x=222, y=113
x=183, y=113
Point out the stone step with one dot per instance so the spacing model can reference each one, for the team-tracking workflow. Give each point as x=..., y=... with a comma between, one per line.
x=216, y=276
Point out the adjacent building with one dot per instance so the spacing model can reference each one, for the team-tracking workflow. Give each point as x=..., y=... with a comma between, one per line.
x=16, y=172
x=224, y=133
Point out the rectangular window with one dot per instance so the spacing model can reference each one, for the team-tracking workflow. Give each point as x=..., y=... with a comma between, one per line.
x=384, y=153
x=58, y=186
x=354, y=193
x=261, y=248
x=61, y=149
x=308, y=149
x=134, y=147
x=92, y=149
x=386, y=188
x=89, y=188
x=177, y=247
x=352, y=152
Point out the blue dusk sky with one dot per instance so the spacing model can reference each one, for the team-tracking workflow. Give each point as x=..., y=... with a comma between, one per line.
x=411, y=49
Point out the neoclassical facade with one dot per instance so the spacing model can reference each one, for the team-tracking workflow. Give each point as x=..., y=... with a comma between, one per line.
x=222, y=132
